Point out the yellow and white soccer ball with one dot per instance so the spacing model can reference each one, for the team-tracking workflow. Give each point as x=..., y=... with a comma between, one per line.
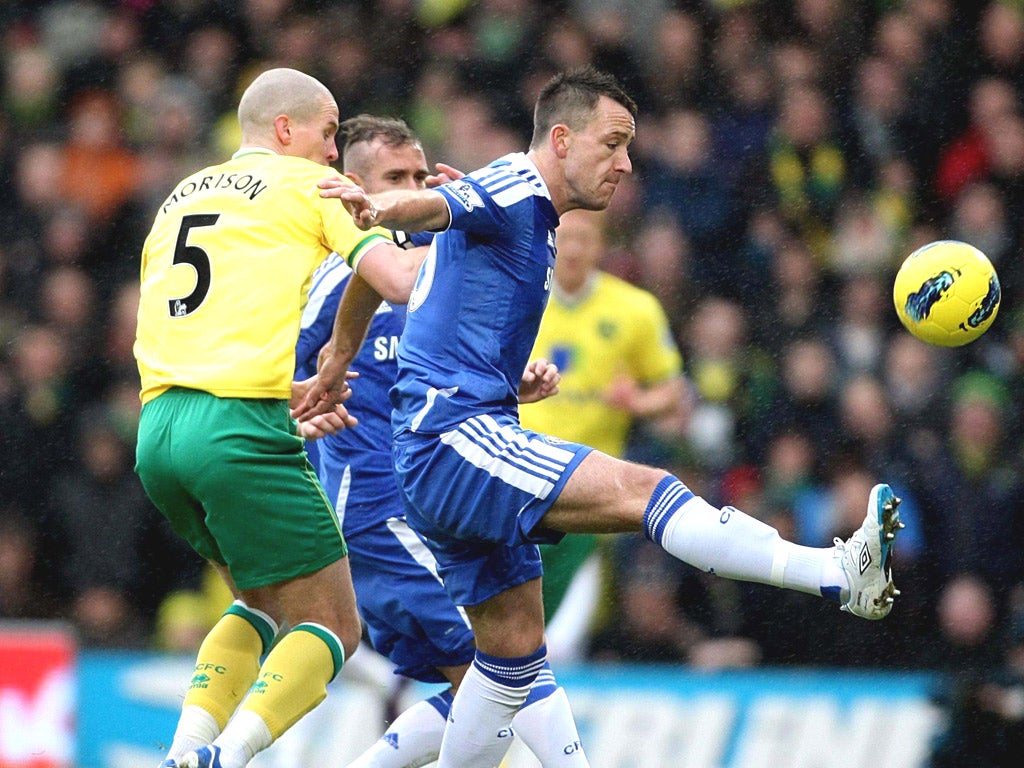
x=947, y=293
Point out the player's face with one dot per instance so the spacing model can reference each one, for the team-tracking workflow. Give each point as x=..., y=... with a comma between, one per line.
x=313, y=139
x=598, y=157
x=403, y=167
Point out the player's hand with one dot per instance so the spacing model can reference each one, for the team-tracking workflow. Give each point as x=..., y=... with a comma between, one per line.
x=319, y=394
x=445, y=173
x=623, y=393
x=330, y=423
x=540, y=380
x=356, y=201
x=333, y=186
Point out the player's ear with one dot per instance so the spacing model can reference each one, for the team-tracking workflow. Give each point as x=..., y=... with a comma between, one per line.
x=561, y=138
x=283, y=129
x=355, y=178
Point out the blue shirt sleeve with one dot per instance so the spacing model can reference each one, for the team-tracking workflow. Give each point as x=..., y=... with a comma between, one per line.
x=421, y=238
x=474, y=207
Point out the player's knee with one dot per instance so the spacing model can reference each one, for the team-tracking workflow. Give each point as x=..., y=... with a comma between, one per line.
x=267, y=607
x=643, y=481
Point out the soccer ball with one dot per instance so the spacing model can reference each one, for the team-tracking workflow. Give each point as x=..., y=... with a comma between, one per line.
x=947, y=293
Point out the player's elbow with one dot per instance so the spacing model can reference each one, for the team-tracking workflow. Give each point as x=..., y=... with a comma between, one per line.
x=397, y=287
x=402, y=279
x=392, y=276
x=395, y=295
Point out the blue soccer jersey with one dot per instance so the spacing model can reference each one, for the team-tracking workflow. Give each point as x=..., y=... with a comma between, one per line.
x=355, y=465
x=409, y=616
x=478, y=300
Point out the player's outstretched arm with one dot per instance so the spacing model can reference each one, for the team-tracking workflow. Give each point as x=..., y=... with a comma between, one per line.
x=408, y=210
x=540, y=380
x=358, y=304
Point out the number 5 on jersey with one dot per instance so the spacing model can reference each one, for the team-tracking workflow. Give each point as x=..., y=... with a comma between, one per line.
x=196, y=258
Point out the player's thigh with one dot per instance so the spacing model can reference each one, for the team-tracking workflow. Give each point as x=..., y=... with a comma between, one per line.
x=410, y=617
x=264, y=505
x=481, y=522
x=159, y=471
x=499, y=481
x=604, y=495
x=325, y=597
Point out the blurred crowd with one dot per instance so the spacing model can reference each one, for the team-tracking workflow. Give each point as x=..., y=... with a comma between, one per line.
x=789, y=155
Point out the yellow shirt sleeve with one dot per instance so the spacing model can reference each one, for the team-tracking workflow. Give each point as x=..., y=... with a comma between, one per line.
x=341, y=234
x=656, y=358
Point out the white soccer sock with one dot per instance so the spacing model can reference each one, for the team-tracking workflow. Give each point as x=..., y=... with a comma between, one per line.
x=245, y=735
x=479, y=729
x=413, y=740
x=196, y=728
x=547, y=727
x=732, y=544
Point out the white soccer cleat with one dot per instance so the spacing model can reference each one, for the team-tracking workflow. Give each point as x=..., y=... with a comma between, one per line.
x=866, y=557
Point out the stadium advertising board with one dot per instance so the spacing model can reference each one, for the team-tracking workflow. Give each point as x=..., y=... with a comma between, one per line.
x=660, y=717
x=37, y=696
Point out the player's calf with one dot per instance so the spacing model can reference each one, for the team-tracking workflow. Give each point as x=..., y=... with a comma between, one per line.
x=727, y=542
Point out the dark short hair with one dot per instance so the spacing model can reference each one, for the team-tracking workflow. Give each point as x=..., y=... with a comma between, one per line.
x=392, y=131
x=569, y=97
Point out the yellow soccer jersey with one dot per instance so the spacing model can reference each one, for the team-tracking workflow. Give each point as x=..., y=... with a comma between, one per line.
x=226, y=272
x=617, y=329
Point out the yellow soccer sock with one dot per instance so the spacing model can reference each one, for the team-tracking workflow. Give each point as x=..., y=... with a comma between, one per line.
x=294, y=677
x=229, y=660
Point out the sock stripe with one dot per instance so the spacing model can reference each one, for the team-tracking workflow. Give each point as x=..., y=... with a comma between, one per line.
x=668, y=497
x=669, y=492
x=515, y=672
x=442, y=702
x=543, y=686
x=265, y=626
x=673, y=492
x=545, y=676
x=330, y=640
x=676, y=495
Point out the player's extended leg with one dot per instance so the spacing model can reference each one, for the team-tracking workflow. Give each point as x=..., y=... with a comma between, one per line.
x=607, y=495
x=321, y=608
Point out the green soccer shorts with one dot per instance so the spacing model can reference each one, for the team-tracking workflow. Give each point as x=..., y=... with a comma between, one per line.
x=232, y=477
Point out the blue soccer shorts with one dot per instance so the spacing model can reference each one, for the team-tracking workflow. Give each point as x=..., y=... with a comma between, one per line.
x=477, y=494
x=409, y=615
